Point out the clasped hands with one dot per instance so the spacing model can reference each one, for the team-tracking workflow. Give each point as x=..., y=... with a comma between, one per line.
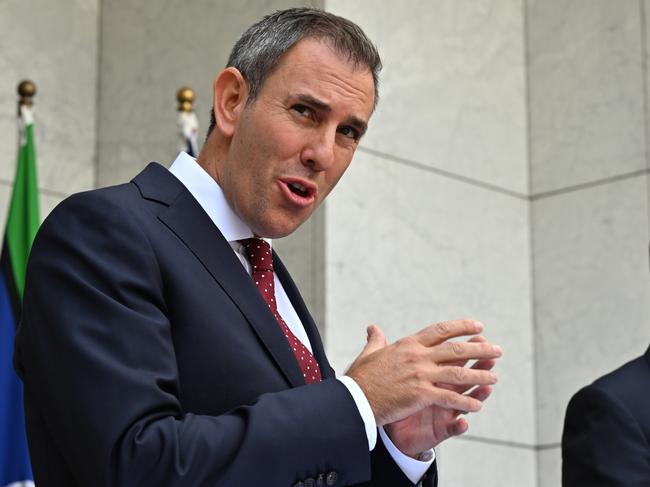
x=419, y=386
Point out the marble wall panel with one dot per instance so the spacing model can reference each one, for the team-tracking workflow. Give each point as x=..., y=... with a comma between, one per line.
x=592, y=290
x=115, y=171
x=453, y=85
x=147, y=54
x=406, y=248
x=55, y=45
x=549, y=467
x=470, y=463
x=586, y=91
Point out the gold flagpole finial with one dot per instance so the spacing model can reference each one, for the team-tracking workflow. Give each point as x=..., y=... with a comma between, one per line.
x=26, y=91
x=185, y=98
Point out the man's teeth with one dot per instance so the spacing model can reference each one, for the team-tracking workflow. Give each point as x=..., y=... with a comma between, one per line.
x=298, y=187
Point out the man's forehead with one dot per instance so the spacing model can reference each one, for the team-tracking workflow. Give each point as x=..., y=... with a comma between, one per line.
x=314, y=69
x=311, y=54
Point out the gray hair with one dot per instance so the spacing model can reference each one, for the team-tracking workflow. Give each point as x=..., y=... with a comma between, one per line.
x=260, y=48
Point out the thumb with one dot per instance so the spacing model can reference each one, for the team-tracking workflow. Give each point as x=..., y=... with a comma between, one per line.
x=376, y=340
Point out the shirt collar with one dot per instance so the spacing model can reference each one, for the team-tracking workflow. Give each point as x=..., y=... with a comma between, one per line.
x=209, y=195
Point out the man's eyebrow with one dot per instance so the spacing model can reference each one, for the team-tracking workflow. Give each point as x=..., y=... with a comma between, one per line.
x=314, y=102
x=355, y=122
x=358, y=124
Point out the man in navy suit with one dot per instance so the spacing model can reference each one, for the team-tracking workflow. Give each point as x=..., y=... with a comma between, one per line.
x=606, y=438
x=159, y=347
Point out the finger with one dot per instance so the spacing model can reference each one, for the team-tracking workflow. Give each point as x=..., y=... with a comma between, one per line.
x=457, y=427
x=376, y=340
x=447, y=399
x=486, y=364
x=461, y=376
x=441, y=332
x=483, y=364
x=455, y=351
x=480, y=393
x=463, y=362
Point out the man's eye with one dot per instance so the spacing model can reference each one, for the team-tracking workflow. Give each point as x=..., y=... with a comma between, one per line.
x=302, y=109
x=350, y=132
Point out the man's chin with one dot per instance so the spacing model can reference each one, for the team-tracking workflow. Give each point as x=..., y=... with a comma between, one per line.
x=278, y=228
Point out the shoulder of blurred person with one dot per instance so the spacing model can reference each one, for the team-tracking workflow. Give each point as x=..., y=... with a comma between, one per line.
x=606, y=437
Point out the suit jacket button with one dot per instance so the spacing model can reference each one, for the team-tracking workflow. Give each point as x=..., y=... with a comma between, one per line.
x=320, y=480
x=309, y=482
x=331, y=478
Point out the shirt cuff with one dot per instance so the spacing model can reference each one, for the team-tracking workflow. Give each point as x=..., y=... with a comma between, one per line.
x=364, y=409
x=412, y=468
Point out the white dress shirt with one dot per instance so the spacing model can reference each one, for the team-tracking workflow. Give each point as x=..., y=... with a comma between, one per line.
x=209, y=195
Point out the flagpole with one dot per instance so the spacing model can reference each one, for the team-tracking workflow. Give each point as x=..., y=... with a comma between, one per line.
x=187, y=121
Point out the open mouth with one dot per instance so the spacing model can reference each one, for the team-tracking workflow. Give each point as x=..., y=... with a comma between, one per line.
x=299, y=189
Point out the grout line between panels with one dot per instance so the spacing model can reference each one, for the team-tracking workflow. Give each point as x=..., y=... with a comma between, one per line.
x=510, y=444
x=499, y=189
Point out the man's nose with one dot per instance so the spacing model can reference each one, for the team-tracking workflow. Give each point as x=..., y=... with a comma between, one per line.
x=318, y=152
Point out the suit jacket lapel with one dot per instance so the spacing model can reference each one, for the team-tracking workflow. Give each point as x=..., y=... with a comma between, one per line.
x=185, y=217
x=305, y=317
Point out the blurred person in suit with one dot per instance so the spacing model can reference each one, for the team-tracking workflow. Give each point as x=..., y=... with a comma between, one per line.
x=606, y=437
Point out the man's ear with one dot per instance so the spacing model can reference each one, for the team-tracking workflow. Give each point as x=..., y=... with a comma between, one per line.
x=230, y=97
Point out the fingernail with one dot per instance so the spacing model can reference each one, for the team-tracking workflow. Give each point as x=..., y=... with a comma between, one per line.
x=497, y=349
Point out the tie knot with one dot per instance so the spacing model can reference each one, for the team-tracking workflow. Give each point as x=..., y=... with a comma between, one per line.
x=259, y=254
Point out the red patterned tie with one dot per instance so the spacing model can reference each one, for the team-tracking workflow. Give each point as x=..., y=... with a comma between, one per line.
x=261, y=259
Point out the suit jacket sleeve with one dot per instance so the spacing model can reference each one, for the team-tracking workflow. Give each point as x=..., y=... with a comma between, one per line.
x=95, y=350
x=602, y=443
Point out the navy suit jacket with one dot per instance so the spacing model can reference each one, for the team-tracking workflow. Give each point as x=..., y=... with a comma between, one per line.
x=150, y=359
x=606, y=439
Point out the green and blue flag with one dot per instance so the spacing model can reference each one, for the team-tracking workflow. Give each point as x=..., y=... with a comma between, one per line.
x=22, y=223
